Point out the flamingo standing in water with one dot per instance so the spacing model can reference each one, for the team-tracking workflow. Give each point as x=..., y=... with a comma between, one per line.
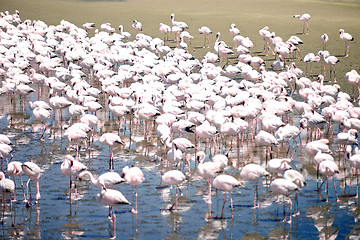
x=133, y=176
x=355, y=163
x=111, y=139
x=297, y=178
x=72, y=167
x=346, y=37
x=304, y=18
x=13, y=170
x=33, y=171
x=328, y=168
x=42, y=115
x=112, y=198
x=207, y=170
x=254, y=172
x=174, y=177
x=285, y=187
x=226, y=183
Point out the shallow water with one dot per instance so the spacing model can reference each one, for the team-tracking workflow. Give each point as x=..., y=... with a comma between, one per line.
x=56, y=216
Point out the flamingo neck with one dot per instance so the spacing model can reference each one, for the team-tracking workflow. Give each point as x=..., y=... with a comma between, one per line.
x=92, y=179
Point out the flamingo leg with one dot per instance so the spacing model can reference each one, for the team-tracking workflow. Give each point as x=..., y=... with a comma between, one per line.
x=231, y=204
x=209, y=193
x=222, y=211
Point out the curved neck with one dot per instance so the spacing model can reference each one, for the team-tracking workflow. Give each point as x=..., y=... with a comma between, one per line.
x=92, y=179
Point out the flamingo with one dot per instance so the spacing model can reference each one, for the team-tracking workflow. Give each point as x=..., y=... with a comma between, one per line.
x=328, y=168
x=254, y=172
x=355, y=163
x=112, y=198
x=182, y=25
x=174, y=177
x=72, y=167
x=346, y=37
x=13, y=170
x=111, y=139
x=5, y=150
x=207, y=170
x=133, y=176
x=5, y=140
x=226, y=183
x=33, y=171
x=324, y=39
x=125, y=35
x=309, y=59
x=166, y=29
x=234, y=31
x=42, y=115
x=331, y=61
x=7, y=186
x=278, y=165
x=297, y=178
x=266, y=139
x=109, y=180
x=304, y=18
x=88, y=26
x=137, y=26
x=285, y=187
x=206, y=32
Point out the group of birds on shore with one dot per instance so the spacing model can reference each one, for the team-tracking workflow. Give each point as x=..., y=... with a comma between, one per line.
x=152, y=82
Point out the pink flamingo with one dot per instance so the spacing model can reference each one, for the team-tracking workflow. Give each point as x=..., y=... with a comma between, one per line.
x=174, y=177
x=166, y=29
x=305, y=18
x=284, y=187
x=346, y=37
x=297, y=178
x=329, y=169
x=226, y=183
x=137, y=26
x=324, y=39
x=112, y=198
x=206, y=32
x=13, y=170
x=111, y=139
x=207, y=170
x=72, y=167
x=33, y=171
x=254, y=172
x=133, y=176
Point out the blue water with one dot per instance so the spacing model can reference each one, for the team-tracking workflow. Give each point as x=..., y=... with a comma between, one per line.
x=58, y=217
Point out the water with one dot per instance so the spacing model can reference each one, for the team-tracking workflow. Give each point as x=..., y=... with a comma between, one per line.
x=58, y=217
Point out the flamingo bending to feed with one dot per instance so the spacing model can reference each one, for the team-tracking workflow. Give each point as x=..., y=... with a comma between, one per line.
x=174, y=177
x=284, y=187
x=13, y=170
x=33, y=171
x=72, y=167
